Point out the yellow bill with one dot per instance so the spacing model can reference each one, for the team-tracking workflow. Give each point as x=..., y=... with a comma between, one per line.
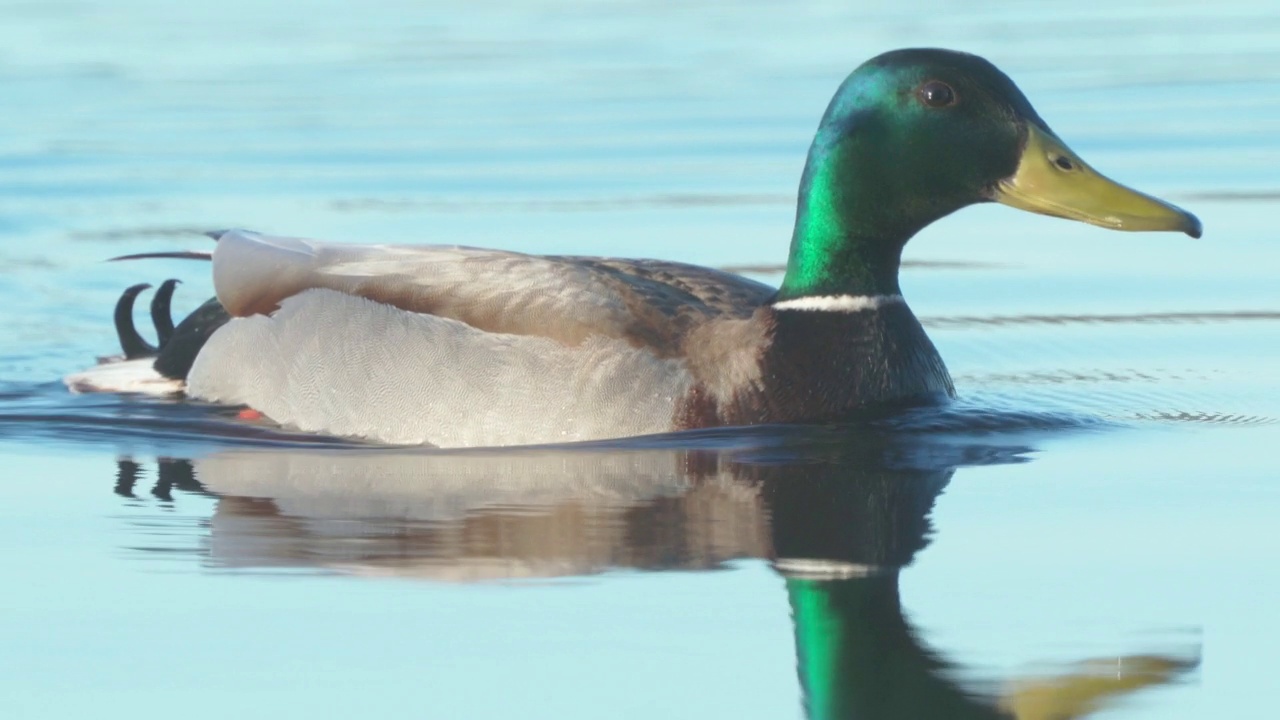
x=1093, y=686
x=1052, y=180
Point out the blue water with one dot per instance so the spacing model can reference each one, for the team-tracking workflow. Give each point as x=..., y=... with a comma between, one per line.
x=1094, y=519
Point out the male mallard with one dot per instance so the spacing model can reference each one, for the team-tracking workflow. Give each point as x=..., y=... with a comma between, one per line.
x=460, y=346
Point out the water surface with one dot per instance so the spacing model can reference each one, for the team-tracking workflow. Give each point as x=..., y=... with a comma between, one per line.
x=1089, y=530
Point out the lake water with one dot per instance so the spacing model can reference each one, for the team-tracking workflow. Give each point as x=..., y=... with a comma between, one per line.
x=1091, y=529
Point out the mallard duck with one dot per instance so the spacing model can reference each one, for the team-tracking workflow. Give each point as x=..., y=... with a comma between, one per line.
x=456, y=346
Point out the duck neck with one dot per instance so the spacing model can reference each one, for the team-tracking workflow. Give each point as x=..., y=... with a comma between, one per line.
x=849, y=231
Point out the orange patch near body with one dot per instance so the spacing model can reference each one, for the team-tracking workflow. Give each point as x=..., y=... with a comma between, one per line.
x=249, y=414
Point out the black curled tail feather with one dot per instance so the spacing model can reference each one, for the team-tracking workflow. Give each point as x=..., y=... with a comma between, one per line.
x=178, y=346
x=130, y=341
x=179, y=352
x=161, y=316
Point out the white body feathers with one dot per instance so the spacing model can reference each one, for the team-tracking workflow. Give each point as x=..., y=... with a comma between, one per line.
x=335, y=363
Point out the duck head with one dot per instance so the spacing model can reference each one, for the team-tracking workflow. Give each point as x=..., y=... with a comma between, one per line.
x=914, y=135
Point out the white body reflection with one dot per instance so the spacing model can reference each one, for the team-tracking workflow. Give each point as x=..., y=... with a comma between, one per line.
x=470, y=516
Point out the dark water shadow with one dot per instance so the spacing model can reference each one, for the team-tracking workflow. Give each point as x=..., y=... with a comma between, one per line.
x=47, y=412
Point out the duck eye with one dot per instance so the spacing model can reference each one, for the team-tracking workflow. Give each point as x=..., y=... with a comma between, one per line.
x=937, y=94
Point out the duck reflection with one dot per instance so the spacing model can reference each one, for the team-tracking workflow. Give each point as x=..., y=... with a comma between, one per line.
x=838, y=518
x=859, y=657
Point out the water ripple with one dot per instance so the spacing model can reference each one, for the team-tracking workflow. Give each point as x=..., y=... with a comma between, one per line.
x=1204, y=417
x=1157, y=318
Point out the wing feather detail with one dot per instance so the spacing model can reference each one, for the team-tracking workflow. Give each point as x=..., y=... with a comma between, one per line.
x=649, y=303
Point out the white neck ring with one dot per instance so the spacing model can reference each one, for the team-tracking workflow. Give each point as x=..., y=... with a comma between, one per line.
x=838, y=303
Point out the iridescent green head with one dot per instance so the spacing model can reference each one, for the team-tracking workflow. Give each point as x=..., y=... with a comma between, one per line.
x=913, y=135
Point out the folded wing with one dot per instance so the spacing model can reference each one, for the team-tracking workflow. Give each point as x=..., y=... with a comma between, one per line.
x=648, y=303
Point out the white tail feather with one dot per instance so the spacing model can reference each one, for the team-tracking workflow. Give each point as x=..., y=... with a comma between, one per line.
x=127, y=376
